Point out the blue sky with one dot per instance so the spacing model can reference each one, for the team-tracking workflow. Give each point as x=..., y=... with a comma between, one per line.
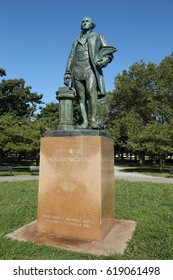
x=37, y=35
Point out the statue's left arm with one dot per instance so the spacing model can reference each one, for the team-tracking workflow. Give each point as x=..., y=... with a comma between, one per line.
x=106, y=59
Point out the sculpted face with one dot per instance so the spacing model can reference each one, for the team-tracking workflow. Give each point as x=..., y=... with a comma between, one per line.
x=86, y=24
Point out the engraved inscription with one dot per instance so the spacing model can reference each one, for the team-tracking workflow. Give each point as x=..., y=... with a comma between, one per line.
x=69, y=155
x=69, y=159
x=53, y=219
x=75, y=222
x=68, y=151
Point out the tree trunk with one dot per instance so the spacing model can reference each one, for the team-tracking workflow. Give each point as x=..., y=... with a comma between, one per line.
x=37, y=160
x=162, y=163
x=1, y=158
x=141, y=159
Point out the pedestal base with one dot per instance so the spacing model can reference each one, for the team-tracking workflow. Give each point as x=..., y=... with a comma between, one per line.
x=114, y=242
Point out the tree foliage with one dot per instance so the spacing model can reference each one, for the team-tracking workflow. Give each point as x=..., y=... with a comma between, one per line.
x=139, y=112
x=19, y=134
x=2, y=72
x=49, y=115
x=18, y=138
x=17, y=99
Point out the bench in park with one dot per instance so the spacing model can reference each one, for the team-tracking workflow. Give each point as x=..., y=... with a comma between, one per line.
x=6, y=168
x=33, y=168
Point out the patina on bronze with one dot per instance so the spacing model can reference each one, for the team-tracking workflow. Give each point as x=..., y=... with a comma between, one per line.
x=89, y=54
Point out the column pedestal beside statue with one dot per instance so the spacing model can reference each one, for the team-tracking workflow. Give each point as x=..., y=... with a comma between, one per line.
x=65, y=96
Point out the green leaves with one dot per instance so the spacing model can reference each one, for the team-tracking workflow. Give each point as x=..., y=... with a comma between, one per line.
x=139, y=112
x=18, y=137
x=19, y=134
x=16, y=99
x=49, y=116
x=2, y=72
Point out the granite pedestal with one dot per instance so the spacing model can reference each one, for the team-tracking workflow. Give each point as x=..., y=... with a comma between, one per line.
x=76, y=187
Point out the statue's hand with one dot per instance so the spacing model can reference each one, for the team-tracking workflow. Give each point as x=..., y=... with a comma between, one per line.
x=103, y=62
x=67, y=78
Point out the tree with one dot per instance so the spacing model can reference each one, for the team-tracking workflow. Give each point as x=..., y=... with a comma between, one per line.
x=18, y=138
x=49, y=115
x=17, y=99
x=165, y=89
x=157, y=139
x=20, y=135
x=141, y=102
x=2, y=72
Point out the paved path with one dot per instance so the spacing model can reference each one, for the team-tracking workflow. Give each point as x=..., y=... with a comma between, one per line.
x=18, y=178
x=120, y=173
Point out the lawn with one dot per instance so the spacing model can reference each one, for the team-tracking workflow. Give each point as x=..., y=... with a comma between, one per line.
x=150, y=204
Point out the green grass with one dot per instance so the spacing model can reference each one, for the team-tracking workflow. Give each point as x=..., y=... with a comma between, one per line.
x=150, y=204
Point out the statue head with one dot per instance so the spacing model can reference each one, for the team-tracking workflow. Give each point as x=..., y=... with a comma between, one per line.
x=87, y=24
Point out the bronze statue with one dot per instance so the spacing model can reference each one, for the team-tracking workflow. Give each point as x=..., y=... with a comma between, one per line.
x=89, y=54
